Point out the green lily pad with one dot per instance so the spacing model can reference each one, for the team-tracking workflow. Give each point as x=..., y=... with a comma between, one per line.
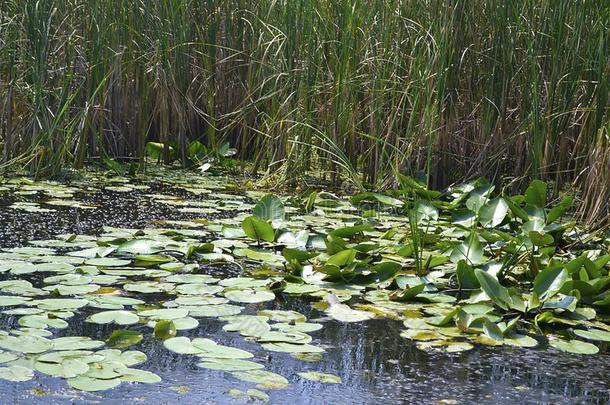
x=118, y=317
x=344, y=313
x=140, y=376
x=247, y=325
x=292, y=348
x=283, y=316
x=107, y=262
x=303, y=327
x=593, y=334
x=167, y=314
x=213, y=310
x=286, y=337
x=164, y=330
x=61, y=304
x=6, y=357
x=198, y=289
x=181, y=345
x=42, y=322
x=229, y=364
x=573, y=346
x=16, y=373
x=68, y=368
x=263, y=379
x=243, y=282
x=8, y=301
x=251, y=395
x=249, y=296
x=89, y=384
x=124, y=338
x=128, y=358
x=211, y=349
x=25, y=344
x=76, y=343
x=321, y=377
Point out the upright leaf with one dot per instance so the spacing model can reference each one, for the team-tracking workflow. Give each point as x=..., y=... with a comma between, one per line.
x=466, y=277
x=556, y=212
x=493, y=213
x=258, y=229
x=535, y=194
x=550, y=281
x=470, y=250
x=270, y=208
x=492, y=287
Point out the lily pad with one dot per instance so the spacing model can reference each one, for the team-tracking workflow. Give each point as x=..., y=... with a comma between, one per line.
x=118, y=317
x=263, y=379
x=124, y=338
x=229, y=364
x=89, y=384
x=573, y=346
x=321, y=377
x=249, y=296
x=16, y=373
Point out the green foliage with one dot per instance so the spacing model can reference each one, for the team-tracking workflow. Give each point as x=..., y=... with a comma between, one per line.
x=457, y=269
x=355, y=89
x=258, y=229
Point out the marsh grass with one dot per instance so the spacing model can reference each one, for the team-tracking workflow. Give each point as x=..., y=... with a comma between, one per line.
x=352, y=88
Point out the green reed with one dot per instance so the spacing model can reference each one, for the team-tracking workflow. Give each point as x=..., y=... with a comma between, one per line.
x=351, y=89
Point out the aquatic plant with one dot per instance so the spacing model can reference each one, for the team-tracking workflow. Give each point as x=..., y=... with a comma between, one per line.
x=486, y=268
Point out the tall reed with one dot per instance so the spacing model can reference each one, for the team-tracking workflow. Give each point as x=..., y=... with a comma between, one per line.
x=353, y=89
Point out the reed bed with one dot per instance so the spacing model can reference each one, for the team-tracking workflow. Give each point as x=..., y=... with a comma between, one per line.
x=353, y=89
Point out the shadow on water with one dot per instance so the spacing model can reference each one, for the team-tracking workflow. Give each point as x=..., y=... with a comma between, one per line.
x=376, y=365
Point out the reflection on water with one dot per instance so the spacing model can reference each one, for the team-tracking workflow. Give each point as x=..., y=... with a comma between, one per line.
x=376, y=365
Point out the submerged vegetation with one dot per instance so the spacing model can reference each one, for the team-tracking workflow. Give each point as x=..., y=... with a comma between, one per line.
x=472, y=266
x=356, y=89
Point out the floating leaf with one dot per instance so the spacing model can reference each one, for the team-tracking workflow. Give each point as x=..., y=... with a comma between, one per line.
x=107, y=262
x=68, y=368
x=292, y=348
x=76, y=343
x=140, y=376
x=209, y=348
x=264, y=379
x=321, y=377
x=470, y=250
x=229, y=364
x=25, y=344
x=249, y=296
x=181, y=345
x=16, y=373
x=118, y=317
x=344, y=313
x=573, y=346
x=165, y=329
x=535, y=194
x=83, y=383
x=124, y=338
x=250, y=395
x=167, y=314
x=593, y=334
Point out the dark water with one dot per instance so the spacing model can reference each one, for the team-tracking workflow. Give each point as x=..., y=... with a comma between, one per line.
x=376, y=365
